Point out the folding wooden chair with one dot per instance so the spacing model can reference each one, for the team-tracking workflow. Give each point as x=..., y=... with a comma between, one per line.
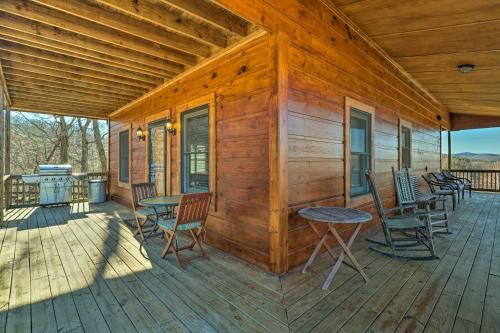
x=191, y=217
x=144, y=216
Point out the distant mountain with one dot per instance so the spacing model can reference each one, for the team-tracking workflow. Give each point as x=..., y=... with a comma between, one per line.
x=482, y=157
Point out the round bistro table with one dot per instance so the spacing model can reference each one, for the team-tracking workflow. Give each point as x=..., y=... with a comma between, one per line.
x=164, y=201
x=333, y=216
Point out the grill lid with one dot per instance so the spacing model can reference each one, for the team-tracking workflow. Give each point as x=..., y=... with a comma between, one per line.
x=51, y=169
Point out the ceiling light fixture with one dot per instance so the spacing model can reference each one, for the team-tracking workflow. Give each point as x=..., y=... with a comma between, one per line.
x=466, y=68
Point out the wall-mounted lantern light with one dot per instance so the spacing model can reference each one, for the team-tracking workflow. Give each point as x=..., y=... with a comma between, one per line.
x=169, y=125
x=141, y=136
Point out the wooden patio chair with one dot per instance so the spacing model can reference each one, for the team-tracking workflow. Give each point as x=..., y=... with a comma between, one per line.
x=457, y=186
x=403, y=233
x=144, y=216
x=426, y=205
x=191, y=217
x=442, y=189
x=464, y=181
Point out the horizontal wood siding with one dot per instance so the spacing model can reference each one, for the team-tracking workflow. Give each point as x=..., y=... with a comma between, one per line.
x=329, y=61
x=241, y=81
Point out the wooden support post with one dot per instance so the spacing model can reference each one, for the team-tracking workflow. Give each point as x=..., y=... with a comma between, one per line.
x=7, y=140
x=2, y=143
x=449, y=150
x=278, y=157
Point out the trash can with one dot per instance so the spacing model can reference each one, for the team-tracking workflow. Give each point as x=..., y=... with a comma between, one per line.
x=97, y=190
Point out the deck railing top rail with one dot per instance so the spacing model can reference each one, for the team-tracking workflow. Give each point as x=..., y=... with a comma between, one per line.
x=481, y=180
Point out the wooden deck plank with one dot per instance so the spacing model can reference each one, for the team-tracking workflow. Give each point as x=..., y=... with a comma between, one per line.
x=19, y=316
x=43, y=318
x=84, y=272
x=125, y=287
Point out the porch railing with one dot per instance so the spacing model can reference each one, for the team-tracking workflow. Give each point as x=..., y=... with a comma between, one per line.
x=21, y=194
x=482, y=180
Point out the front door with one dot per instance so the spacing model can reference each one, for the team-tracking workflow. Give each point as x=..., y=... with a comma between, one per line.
x=157, y=155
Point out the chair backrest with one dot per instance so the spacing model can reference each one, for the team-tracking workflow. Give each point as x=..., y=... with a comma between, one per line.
x=416, y=185
x=429, y=183
x=193, y=208
x=439, y=176
x=142, y=191
x=376, y=197
x=404, y=189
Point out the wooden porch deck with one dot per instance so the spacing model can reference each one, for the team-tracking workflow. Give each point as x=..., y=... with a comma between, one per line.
x=75, y=269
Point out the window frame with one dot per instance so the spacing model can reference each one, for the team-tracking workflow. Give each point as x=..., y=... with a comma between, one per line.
x=209, y=99
x=350, y=103
x=120, y=182
x=192, y=113
x=408, y=125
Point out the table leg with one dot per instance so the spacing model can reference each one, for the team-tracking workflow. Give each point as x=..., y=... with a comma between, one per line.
x=325, y=244
x=345, y=251
x=315, y=252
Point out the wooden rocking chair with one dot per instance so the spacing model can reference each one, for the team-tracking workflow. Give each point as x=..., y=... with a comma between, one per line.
x=144, y=216
x=191, y=218
x=420, y=204
x=414, y=233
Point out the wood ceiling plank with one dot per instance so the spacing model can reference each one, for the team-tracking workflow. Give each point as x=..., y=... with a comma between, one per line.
x=455, y=77
x=18, y=57
x=147, y=80
x=383, y=17
x=71, y=83
x=62, y=104
x=31, y=97
x=157, y=13
x=31, y=65
x=212, y=14
x=40, y=30
x=73, y=95
x=466, y=38
x=77, y=52
x=448, y=62
x=58, y=90
x=473, y=104
x=56, y=111
x=468, y=96
x=128, y=25
x=80, y=26
x=477, y=88
x=56, y=85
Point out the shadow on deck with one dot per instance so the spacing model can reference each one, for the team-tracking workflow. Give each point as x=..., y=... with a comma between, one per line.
x=79, y=269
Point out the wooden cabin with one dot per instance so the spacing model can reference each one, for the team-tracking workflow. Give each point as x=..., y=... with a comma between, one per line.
x=277, y=105
x=268, y=91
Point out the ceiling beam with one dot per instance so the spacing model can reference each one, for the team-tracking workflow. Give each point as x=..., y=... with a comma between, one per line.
x=148, y=80
x=52, y=93
x=41, y=109
x=104, y=84
x=157, y=13
x=62, y=105
x=39, y=30
x=28, y=97
x=77, y=52
x=103, y=77
x=128, y=25
x=80, y=26
x=212, y=14
x=4, y=85
x=57, y=91
x=70, y=83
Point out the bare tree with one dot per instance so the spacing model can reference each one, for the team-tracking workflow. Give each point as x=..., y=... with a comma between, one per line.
x=64, y=136
x=99, y=145
x=84, y=161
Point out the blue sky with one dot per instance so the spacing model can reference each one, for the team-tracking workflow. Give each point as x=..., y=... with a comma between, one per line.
x=485, y=140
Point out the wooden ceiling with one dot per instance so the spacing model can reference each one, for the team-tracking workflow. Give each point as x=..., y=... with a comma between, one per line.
x=90, y=57
x=430, y=38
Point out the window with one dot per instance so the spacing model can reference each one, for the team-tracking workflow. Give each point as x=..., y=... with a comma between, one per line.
x=157, y=153
x=124, y=142
x=195, y=150
x=360, y=146
x=405, y=142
